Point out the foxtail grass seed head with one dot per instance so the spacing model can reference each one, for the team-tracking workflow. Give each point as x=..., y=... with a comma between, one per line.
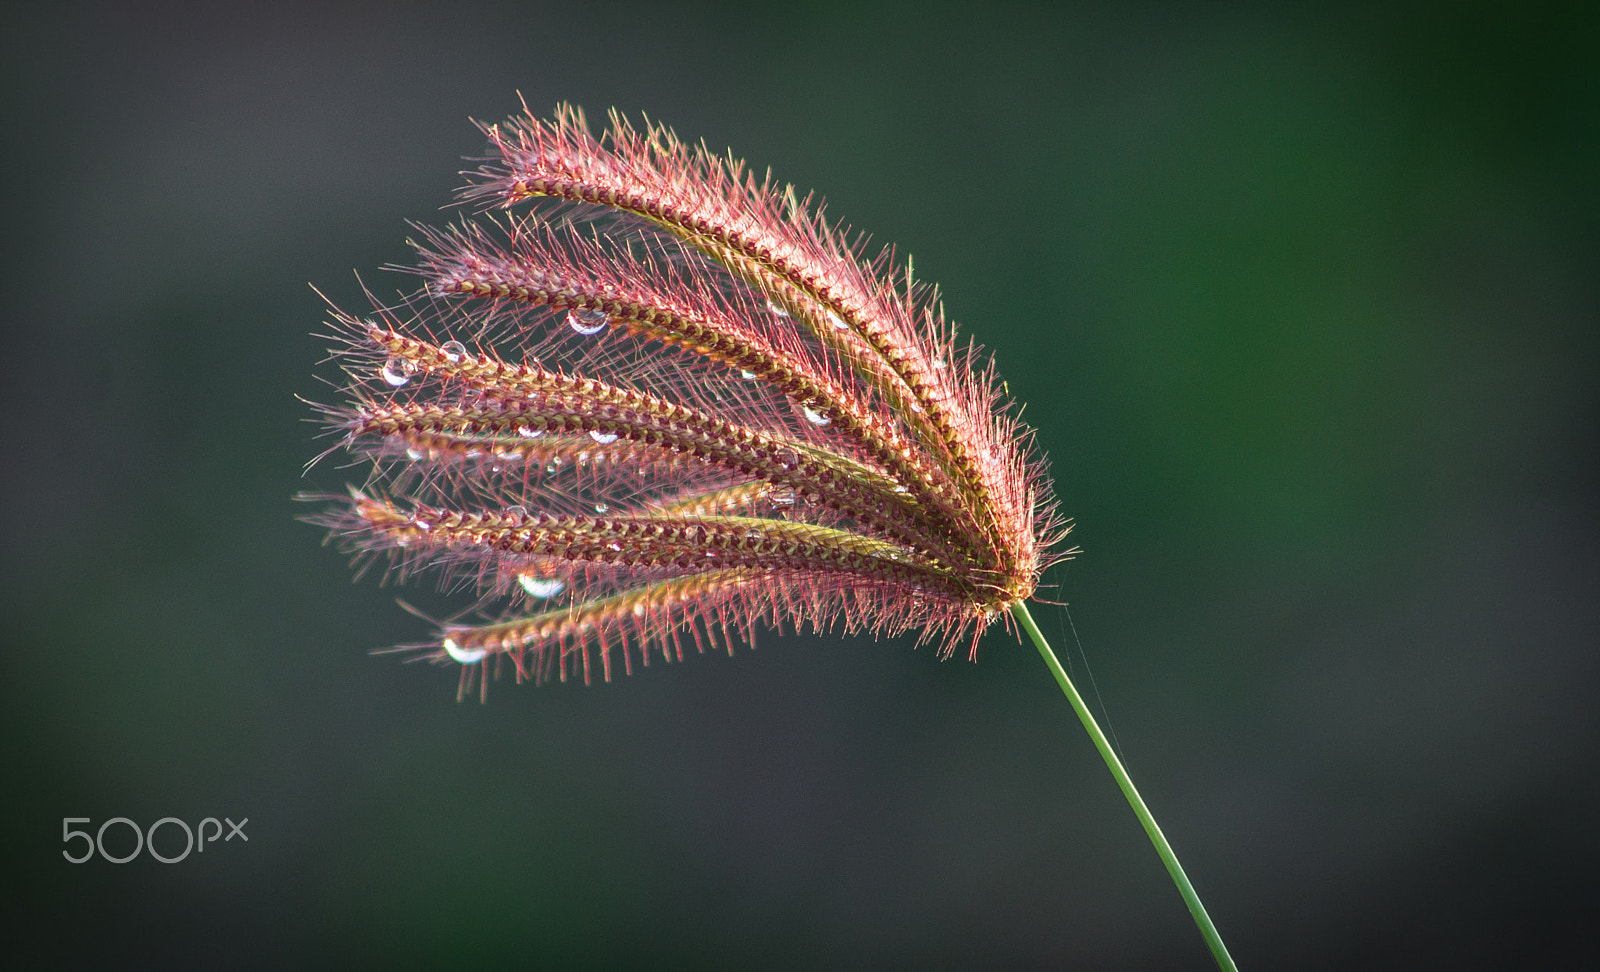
x=648, y=398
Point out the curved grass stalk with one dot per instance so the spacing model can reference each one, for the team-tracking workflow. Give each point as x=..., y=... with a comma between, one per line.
x=1202, y=920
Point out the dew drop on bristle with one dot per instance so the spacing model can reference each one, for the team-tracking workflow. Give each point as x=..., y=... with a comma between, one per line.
x=415, y=455
x=454, y=350
x=398, y=371
x=586, y=320
x=748, y=375
x=776, y=310
x=465, y=656
x=602, y=509
x=518, y=510
x=528, y=432
x=814, y=417
x=787, y=458
x=541, y=587
x=604, y=438
x=837, y=322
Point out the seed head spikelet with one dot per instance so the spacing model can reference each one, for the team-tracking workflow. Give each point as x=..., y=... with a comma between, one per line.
x=648, y=399
x=671, y=404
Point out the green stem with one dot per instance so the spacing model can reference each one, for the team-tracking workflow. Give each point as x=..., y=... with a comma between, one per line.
x=1219, y=951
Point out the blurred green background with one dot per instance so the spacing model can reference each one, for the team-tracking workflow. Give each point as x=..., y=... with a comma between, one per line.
x=1304, y=304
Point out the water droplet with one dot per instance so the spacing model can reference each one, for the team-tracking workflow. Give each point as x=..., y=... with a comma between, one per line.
x=398, y=371
x=781, y=498
x=415, y=455
x=837, y=322
x=422, y=525
x=614, y=547
x=465, y=656
x=901, y=489
x=586, y=320
x=786, y=457
x=541, y=587
x=915, y=408
x=776, y=310
x=602, y=509
x=454, y=350
x=748, y=375
x=518, y=510
x=604, y=438
x=528, y=432
x=638, y=610
x=551, y=467
x=814, y=417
